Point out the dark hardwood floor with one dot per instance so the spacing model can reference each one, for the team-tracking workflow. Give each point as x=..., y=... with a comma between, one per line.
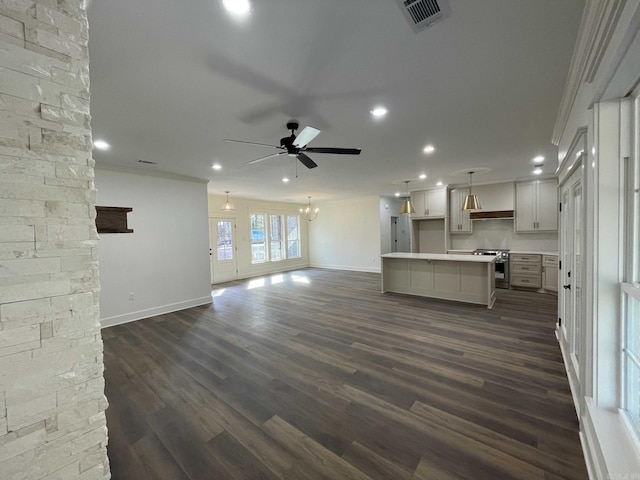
x=314, y=374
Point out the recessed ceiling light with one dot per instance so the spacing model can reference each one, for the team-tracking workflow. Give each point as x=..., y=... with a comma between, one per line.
x=397, y=194
x=538, y=159
x=216, y=166
x=379, y=112
x=537, y=171
x=101, y=145
x=285, y=180
x=423, y=176
x=439, y=184
x=237, y=7
x=429, y=149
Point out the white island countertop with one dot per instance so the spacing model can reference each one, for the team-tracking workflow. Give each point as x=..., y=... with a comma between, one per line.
x=442, y=256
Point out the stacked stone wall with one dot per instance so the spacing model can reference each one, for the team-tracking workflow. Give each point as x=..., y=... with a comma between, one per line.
x=52, y=403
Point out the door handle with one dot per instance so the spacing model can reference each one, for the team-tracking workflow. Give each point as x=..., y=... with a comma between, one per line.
x=567, y=287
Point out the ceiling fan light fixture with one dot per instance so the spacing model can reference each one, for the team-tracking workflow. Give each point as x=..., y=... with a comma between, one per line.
x=471, y=202
x=227, y=206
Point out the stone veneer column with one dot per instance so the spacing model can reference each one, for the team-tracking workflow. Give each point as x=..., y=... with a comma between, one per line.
x=52, y=421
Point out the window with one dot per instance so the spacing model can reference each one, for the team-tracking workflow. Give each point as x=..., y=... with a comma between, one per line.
x=258, y=246
x=225, y=240
x=274, y=237
x=293, y=236
x=631, y=285
x=631, y=311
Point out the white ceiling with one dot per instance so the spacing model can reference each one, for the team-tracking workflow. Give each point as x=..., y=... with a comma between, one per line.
x=171, y=79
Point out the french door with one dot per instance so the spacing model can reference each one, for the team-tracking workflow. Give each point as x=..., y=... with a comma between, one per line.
x=571, y=274
x=222, y=250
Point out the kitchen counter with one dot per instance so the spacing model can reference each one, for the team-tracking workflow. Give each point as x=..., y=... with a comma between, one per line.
x=532, y=252
x=442, y=256
x=459, y=277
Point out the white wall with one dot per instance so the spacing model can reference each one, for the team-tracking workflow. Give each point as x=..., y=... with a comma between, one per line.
x=165, y=262
x=430, y=236
x=500, y=234
x=243, y=208
x=346, y=235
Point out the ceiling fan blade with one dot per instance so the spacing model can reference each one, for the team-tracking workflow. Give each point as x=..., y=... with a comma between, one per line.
x=251, y=143
x=266, y=158
x=306, y=161
x=305, y=136
x=335, y=151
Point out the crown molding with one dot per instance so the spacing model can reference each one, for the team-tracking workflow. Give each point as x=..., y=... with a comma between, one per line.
x=599, y=21
x=148, y=173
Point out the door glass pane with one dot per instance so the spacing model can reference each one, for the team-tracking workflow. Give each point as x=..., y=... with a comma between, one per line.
x=225, y=240
x=576, y=282
x=293, y=236
x=258, y=245
x=275, y=237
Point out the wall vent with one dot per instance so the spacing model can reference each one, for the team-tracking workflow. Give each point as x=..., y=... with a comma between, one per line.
x=423, y=13
x=147, y=162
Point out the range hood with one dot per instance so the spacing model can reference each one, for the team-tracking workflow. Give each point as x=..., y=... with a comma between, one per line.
x=492, y=215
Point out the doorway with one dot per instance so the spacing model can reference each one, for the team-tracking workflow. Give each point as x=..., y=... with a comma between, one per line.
x=222, y=250
x=400, y=234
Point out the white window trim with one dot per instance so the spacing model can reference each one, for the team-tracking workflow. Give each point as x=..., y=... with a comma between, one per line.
x=284, y=235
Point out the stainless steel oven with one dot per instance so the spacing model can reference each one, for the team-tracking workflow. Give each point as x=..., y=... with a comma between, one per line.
x=501, y=265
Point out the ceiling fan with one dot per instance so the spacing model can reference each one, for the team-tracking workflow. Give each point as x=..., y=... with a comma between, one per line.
x=296, y=146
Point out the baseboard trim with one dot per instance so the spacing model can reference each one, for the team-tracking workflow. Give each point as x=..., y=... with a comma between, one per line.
x=151, y=312
x=346, y=268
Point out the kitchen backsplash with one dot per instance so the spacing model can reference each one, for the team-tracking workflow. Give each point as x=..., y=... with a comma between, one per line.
x=500, y=234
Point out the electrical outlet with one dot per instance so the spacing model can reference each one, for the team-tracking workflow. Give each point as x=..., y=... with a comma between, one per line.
x=132, y=296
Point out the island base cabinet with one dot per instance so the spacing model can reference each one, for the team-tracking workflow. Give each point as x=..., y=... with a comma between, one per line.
x=448, y=280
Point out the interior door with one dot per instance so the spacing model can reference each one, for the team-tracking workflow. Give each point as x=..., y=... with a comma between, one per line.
x=570, y=290
x=222, y=251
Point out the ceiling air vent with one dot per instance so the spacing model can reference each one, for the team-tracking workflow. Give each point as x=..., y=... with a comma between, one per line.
x=424, y=13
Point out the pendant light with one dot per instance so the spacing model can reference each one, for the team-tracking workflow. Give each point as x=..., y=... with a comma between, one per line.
x=471, y=201
x=309, y=212
x=407, y=206
x=228, y=206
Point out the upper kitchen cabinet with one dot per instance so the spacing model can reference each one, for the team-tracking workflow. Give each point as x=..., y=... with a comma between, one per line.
x=429, y=203
x=537, y=206
x=495, y=196
x=459, y=220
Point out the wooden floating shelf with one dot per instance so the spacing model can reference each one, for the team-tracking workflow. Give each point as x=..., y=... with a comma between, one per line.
x=492, y=214
x=112, y=219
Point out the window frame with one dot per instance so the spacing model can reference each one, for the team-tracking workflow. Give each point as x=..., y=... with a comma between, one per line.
x=264, y=238
x=283, y=236
x=630, y=285
x=297, y=239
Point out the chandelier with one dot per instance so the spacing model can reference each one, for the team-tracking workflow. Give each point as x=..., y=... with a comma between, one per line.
x=309, y=212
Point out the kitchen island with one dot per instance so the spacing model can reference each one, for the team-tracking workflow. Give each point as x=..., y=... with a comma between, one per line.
x=463, y=278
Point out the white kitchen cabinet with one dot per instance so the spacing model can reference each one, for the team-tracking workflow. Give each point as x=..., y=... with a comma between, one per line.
x=536, y=206
x=526, y=270
x=550, y=273
x=459, y=220
x=429, y=203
